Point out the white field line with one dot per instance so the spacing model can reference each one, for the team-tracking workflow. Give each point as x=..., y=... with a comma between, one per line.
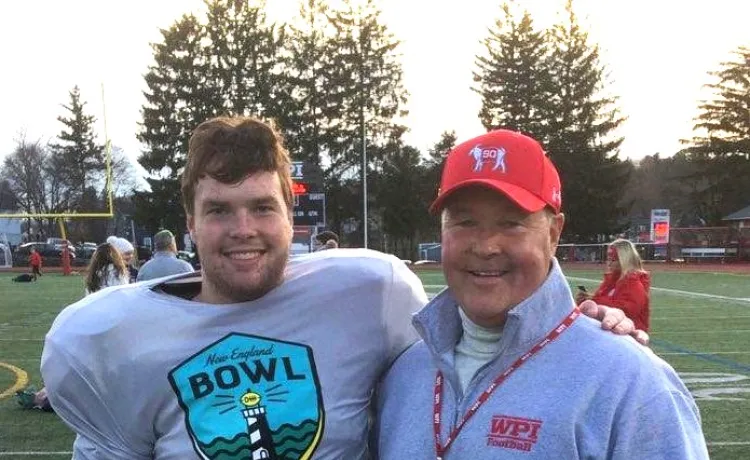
x=677, y=353
x=704, y=307
x=697, y=317
x=675, y=291
x=438, y=287
x=712, y=331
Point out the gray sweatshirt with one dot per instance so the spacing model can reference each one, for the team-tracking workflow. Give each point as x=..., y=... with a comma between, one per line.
x=587, y=395
x=141, y=374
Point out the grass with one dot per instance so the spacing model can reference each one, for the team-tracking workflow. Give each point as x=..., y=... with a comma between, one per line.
x=706, y=339
x=27, y=312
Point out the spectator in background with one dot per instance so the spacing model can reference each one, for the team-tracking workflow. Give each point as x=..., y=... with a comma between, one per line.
x=164, y=261
x=326, y=240
x=127, y=251
x=107, y=268
x=626, y=284
x=35, y=260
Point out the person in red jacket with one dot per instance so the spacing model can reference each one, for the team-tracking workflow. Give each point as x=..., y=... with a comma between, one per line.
x=626, y=284
x=35, y=259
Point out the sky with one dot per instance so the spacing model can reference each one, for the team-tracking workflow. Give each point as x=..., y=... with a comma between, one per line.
x=658, y=54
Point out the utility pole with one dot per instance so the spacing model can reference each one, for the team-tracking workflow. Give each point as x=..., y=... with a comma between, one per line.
x=364, y=171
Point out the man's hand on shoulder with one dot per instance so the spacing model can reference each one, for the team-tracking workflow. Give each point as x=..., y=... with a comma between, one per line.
x=614, y=320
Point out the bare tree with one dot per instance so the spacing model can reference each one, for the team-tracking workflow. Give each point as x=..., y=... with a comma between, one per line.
x=24, y=170
x=123, y=173
x=34, y=179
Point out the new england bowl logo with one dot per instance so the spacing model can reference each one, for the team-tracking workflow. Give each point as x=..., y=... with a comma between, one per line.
x=250, y=397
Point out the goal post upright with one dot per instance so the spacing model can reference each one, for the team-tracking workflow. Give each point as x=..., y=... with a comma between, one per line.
x=60, y=216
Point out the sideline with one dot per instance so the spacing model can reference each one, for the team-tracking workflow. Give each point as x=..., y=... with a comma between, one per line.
x=22, y=379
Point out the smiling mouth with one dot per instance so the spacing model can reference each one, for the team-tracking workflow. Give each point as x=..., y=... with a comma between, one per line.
x=488, y=274
x=243, y=255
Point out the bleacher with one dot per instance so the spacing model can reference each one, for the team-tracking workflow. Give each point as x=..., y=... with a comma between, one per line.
x=704, y=253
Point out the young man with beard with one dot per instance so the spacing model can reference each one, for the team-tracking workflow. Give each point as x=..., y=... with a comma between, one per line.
x=508, y=368
x=262, y=357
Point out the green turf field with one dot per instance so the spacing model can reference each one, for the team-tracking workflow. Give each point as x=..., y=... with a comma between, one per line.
x=700, y=324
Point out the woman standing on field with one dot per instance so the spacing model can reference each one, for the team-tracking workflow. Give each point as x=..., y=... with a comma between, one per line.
x=626, y=284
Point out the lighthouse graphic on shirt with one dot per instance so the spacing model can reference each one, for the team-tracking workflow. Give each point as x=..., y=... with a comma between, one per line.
x=251, y=397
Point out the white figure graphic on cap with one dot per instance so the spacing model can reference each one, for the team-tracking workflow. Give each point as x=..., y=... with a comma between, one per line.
x=476, y=153
x=500, y=159
x=480, y=154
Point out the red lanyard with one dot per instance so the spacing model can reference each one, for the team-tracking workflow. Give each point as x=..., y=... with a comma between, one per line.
x=442, y=449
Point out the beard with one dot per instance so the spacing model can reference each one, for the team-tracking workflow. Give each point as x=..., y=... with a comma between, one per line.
x=245, y=286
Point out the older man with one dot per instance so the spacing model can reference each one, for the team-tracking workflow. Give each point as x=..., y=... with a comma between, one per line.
x=164, y=262
x=508, y=368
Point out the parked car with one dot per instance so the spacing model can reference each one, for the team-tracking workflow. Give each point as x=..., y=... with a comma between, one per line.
x=85, y=250
x=58, y=243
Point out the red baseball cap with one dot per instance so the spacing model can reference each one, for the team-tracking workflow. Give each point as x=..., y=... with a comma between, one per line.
x=507, y=161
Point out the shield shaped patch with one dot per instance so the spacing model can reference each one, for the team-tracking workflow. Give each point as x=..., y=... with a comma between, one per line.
x=251, y=397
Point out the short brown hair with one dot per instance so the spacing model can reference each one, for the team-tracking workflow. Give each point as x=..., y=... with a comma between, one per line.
x=229, y=149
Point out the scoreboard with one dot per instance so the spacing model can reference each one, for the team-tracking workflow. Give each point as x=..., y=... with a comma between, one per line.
x=660, y=226
x=309, y=200
x=310, y=210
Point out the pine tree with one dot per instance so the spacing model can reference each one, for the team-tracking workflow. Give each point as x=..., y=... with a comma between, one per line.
x=366, y=82
x=77, y=157
x=227, y=65
x=433, y=164
x=243, y=49
x=721, y=145
x=400, y=200
x=179, y=97
x=365, y=86
x=581, y=138
x=512, y=75
x=309, y=126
